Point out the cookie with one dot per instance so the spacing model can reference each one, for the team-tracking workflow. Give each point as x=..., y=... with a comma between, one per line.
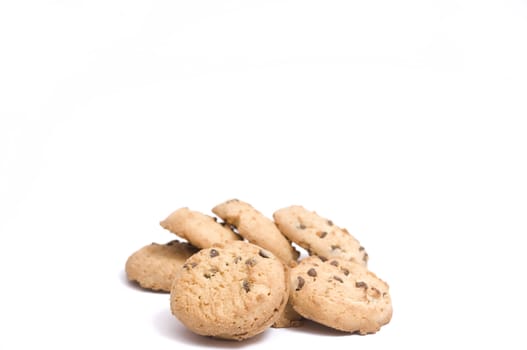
x=256, y=228
x=154, y=266
x=319, y=236
x=199, y=229
x=340, y=294
x=230, y=291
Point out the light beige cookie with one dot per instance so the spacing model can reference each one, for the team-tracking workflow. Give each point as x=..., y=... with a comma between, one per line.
x=318, y=235
x=230, y=291
x=155, y=265
x=340, y=294
x=199, y=229
x=256, y=228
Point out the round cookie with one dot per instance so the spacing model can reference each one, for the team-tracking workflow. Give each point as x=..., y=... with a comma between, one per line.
x=340, y=294
x=155, y=265
x=231, y=291
x=318, y=235
x=199, y=229
x=256, y=228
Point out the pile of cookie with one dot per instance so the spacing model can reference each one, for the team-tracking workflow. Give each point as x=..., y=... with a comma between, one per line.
x=235, y=278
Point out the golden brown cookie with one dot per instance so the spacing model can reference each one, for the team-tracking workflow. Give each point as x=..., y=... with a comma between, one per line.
x=230, y=291
x=256, y=228
x=319, y=236
x=155, y=265
x=340, y=294
x=199, y=229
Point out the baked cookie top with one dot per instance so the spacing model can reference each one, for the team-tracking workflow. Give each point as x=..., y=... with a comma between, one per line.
x=154, y=266
x=340, y=294
x=318, y=235
x=256, y=228
x=199, y=229
x=230, y=291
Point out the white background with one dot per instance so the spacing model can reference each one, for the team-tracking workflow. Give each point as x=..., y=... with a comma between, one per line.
x=404, y=121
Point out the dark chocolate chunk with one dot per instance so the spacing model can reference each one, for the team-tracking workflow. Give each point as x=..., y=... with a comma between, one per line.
x=322, y=234
x=300, y=283
x=246, y=286
x=214, y=253
x=312, y=272
x=361, y=284
x=337, y=278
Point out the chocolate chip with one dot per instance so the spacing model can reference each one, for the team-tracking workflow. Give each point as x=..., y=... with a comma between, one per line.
x=237, y=259
x=323, y=258
x=185, y=266
x=361, y=248
x=312, y=272
x=322, y=234
x=334, y=263
x=246, y=286
x=337, y=278
x=361, y=284
x=330, y=223
x=345, y=271
x=365, y=257
x=214, y=253
x=302, y=226
x=335, y=247
x=300, y=283
x=250, y=262
x=264, y=254
x=374, y=292
x=215, y=219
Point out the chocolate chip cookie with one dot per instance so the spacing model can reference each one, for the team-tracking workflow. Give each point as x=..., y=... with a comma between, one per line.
x=340, y=294
x=154, y=266
x=318, y=235
x=199, y=229
x=231, y=291
x=256, y=228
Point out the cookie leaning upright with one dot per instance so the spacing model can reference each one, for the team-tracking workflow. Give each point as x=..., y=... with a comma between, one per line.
x=256, y=228
x=154, y=266
x=199, y=229
x=231, y=291
x=340, y=294
x=318, y=235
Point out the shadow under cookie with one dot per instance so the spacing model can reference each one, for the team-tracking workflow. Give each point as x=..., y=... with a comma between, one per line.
x=170, y=327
